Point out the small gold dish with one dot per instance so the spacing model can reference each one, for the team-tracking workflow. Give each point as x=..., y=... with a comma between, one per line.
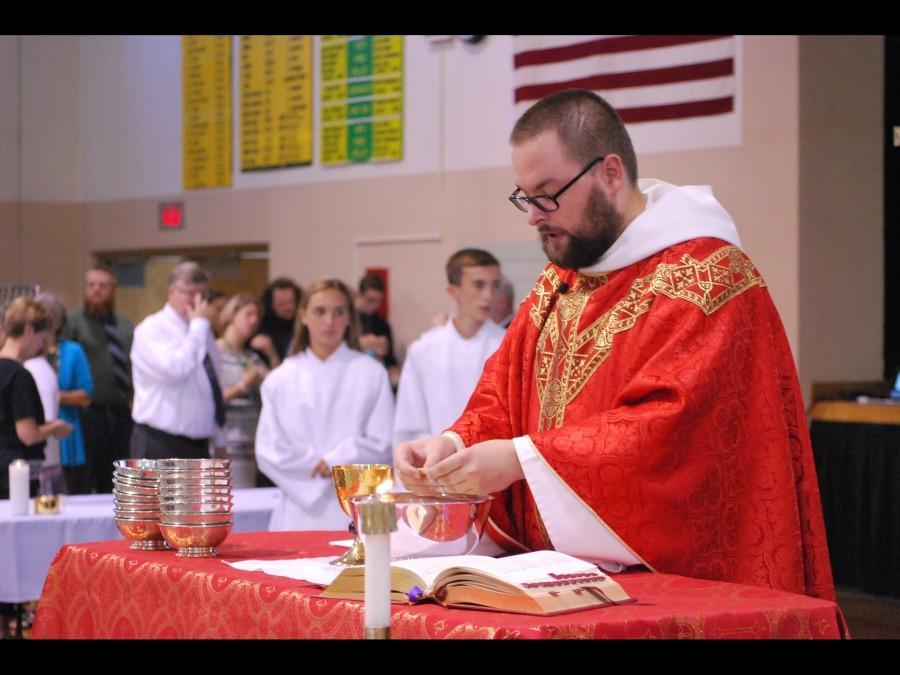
x=47, y=504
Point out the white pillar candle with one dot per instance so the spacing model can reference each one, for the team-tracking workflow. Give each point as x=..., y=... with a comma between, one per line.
x=378, y=580
x=18, y=487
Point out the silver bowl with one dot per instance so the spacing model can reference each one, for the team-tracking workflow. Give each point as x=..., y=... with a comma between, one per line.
x=139, y=512
x=195, y=507
x=203, y=473
x=144, y=535
x=450, y=524
x=195, y=518
x=195, y=541
x=192, y=464
x=131, y=489
x=185, y=497
x=136, y=468
x=198, y=492
x=121, y=498
x=166, y=483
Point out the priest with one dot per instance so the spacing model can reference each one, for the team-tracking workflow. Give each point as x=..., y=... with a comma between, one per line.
x=644, y=405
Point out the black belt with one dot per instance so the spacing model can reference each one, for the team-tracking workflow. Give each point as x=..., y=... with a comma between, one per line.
x=162, y=435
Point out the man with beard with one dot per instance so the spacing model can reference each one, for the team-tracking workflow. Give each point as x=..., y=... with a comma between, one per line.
x=106, y=337
x=644, y=406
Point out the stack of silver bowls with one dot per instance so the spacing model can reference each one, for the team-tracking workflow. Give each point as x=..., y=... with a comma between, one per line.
x=136, y=503
x=195, y=503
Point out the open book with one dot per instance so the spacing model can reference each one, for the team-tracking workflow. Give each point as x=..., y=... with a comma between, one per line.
x=540, y=582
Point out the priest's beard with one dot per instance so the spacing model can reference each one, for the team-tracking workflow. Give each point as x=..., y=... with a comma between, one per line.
x=583, y=246
x=100, y=307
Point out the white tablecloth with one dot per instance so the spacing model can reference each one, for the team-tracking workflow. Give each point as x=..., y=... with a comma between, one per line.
x=29, y=543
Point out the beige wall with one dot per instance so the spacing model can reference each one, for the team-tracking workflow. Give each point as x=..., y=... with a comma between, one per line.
x=841, y=208
x=798, y=209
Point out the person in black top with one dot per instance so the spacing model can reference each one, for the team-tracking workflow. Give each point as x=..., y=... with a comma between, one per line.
x=280, y=301
x=375, y=333
x=23, y=432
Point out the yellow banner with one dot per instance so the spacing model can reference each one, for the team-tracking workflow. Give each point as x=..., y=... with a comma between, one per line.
x=361, y=98
x=206, y=100
x=276, y=101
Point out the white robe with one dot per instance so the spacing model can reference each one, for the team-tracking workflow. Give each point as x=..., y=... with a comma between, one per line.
x=439, y=375
x=339, y=410
x=47, y=382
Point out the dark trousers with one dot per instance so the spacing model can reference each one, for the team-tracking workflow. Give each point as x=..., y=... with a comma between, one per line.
x=107, y=437
x=150, y=443
x=76, y=479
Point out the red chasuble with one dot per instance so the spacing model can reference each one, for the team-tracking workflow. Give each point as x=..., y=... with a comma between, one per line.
x=664, y=394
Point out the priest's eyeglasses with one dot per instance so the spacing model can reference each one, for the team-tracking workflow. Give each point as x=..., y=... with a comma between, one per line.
x=547, y=203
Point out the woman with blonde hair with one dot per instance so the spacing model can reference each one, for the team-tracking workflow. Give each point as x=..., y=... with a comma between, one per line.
x=23, y=429
x=327, y=404
x=242, y=371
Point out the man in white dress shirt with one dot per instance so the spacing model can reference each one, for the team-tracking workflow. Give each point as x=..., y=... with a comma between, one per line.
x=443, y=366
x=178, y=405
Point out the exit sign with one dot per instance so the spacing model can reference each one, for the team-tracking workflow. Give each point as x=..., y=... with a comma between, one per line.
x=171, y=216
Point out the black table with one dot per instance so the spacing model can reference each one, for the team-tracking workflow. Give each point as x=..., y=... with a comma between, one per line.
x=858, y=466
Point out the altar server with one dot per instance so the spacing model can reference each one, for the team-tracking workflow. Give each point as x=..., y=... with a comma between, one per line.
x=443, y=366
x=327, y=404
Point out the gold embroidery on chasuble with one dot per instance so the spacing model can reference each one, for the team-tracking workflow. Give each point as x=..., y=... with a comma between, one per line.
x=568, y=357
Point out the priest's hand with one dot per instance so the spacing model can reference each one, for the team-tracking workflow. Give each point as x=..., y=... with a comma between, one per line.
x=480, y=469
x=411, y=456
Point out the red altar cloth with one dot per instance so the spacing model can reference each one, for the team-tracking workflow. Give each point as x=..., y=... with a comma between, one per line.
x=104, y=590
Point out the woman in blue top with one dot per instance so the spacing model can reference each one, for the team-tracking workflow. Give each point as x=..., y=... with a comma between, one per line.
x=76, y=386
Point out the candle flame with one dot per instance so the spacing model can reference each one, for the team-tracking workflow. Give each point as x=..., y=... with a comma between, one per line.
x=385, y=487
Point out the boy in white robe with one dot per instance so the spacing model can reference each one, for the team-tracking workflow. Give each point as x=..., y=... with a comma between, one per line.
x=442, y=367
x=327, y=404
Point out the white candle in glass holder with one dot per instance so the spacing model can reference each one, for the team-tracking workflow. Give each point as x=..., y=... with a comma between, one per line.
x=378, y=580
x=377, y=519
x=18, y=487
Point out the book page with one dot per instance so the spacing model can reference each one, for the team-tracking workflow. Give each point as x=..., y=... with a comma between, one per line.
x=515, y=569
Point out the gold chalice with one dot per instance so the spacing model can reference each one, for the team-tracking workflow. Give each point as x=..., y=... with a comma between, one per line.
x=357, y=480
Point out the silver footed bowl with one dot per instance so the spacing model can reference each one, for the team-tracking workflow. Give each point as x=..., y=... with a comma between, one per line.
x=166, y=483
x=195, y=518
x=216, y=495
x=144, y=535
x=195, y=507
x=195, y=541
x=192, y=464
x=433, y=525
x=129, y=488
x=136, y=468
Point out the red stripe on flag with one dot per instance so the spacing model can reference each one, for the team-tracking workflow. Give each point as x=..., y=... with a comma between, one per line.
x=717, y=106
x=637, y=78
x=627, y=43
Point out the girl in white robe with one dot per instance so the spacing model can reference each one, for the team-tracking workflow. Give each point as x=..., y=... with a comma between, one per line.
x=327, y=404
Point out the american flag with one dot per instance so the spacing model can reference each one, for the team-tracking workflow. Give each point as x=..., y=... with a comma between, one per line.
x=647, y=78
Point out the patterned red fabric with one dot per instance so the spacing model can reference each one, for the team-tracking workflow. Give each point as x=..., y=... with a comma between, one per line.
x=665, y=395
x=105, y=590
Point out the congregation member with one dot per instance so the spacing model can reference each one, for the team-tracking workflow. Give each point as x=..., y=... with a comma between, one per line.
x=76, y=386
x=67, y=386
x=504, y=310
x=376, y=337
x=3, y=306
x=24, y=324
x=280, y=300
x=327, y=404
x=645, y=389
x=178, y=405
x=242, y=373
x=442, y=367
x=23, y=428
x=106, y=336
